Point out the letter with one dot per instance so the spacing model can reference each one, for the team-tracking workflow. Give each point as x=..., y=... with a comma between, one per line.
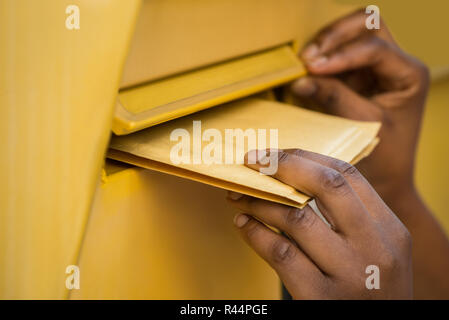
x=183, y=146
x=373, y=281
x=202, y=310
x=373, y=20
x=264, y=309
x=183, y=310
x=73, y=280
x=239, y=135
x=190, y=310
x=196, y=142
x=73, y=20
x=273, y=158
x=261, y=147
x=215, y=147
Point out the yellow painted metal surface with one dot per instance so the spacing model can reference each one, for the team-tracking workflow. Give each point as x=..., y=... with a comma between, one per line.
x=207, y=79
x=156, y=236
x=186, y=93
x=57, y=93
x=174, y=36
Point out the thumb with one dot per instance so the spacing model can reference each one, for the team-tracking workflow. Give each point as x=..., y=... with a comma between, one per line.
x=336, y=98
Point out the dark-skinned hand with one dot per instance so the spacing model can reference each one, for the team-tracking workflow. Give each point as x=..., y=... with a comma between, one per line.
x=362, y=74
x=317, y=261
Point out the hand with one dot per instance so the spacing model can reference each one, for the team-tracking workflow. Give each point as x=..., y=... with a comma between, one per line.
x=322, y=262
x=362, y=74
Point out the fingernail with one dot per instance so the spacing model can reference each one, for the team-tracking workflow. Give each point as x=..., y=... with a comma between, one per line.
x=234, y=195
x=310, y=52
x=317, y=62
x=283, y=249
x=240, y=220
x=304, y=87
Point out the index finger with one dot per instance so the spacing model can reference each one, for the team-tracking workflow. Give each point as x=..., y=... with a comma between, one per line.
x=343, y=208
x=364, y=190
x=343, y=31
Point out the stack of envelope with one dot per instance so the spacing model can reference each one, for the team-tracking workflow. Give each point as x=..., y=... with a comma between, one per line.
x=195, y=146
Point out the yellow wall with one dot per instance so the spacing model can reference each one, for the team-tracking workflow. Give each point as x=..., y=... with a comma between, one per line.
x=433, y=152
x=418, y=26
x=156, y=236
x=57, y=92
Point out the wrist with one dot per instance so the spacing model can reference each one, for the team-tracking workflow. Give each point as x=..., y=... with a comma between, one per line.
x=404, y=200
x=398, y=192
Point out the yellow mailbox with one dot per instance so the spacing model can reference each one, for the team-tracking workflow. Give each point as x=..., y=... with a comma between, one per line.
x=127, y=65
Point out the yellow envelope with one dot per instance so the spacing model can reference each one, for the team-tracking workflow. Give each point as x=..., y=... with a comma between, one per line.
x=296, y=127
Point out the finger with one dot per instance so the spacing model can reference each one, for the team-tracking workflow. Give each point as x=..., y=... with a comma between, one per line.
x=319, y=242
x=341, y=205
x=372, y=201
x=342, y=31
x=361, y=81
x=384, y=59
x=336, y=98
x=295, y=269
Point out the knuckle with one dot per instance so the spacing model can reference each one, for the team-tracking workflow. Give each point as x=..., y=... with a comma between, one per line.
x=419, y=72
x=335, y=32
x=380, y=43
x=422, y=73
x=333, y=180
x=298, y=152
x=283, y=252
x=300, y=218
x=330, y=97
x=252, y=229
x=325, y=33
x=388, y=260
x=376, y=46
x=283, y=156
x=329, y=36
x=345, y=168
x=405, y=239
